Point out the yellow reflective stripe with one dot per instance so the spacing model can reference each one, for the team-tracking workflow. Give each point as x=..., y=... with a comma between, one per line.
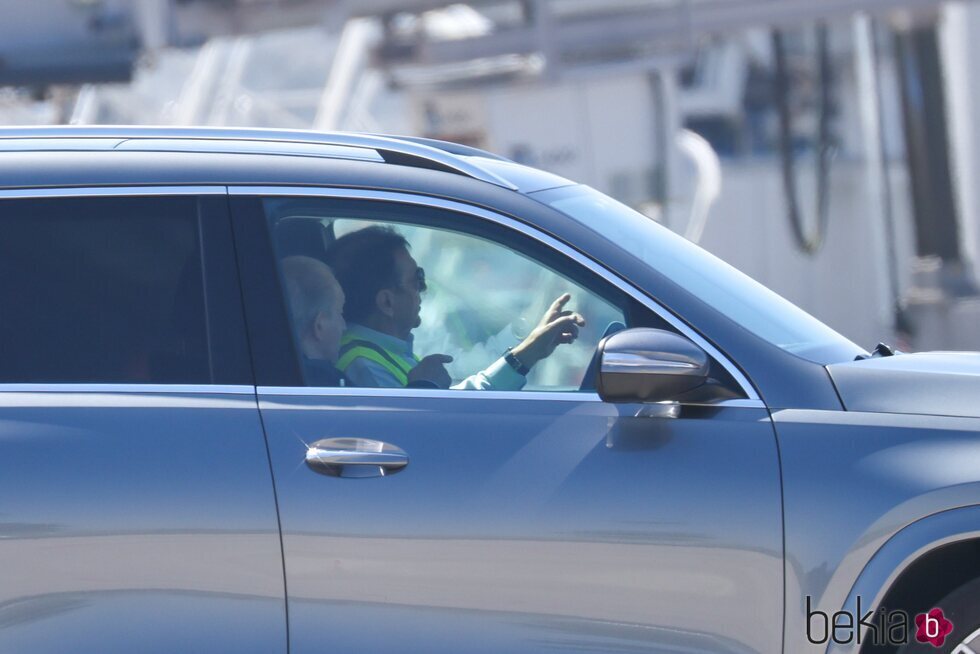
x=392, y=357
x=348, y=358
x=348, y=338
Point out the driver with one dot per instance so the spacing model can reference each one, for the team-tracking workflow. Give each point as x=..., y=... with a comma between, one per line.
x=383, y=285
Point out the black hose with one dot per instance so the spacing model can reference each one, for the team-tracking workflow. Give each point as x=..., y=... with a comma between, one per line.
x=810, y=242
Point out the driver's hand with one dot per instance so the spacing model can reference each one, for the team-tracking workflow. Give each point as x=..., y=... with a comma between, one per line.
x=432, y=369
x=557, y=326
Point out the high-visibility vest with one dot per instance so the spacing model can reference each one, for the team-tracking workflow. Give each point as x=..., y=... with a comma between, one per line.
x=352, y=348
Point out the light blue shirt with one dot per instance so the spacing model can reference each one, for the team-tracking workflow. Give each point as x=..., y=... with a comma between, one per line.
x=499, y=376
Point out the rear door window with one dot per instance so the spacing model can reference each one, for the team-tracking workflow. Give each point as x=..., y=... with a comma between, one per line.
x=116, y=290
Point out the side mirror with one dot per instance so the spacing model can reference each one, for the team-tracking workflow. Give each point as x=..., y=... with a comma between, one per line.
x=649, y=365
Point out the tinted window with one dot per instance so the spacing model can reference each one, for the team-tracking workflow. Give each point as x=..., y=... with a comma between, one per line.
x=742, y=299
x=483, y=297
x=485, y=289
x=102, y=290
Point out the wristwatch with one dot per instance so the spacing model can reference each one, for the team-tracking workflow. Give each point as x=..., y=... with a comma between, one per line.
x=515, y=363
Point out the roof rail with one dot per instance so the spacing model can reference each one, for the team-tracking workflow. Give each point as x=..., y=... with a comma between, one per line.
x=450, y=147
x=422, y=153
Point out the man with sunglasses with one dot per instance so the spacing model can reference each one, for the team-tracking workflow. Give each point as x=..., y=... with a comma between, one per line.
x=383, y=285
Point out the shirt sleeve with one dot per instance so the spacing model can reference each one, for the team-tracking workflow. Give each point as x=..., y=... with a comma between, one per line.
x=500, y=376
x=370, y=374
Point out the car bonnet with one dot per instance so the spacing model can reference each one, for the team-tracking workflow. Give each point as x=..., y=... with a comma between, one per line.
x=927, y=383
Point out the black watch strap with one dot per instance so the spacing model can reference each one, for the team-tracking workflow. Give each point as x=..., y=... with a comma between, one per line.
x=515, y=363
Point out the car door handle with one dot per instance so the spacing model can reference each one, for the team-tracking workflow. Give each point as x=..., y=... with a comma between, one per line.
x=355, y=457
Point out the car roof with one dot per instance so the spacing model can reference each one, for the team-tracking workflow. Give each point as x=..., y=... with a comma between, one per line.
x=216, y=147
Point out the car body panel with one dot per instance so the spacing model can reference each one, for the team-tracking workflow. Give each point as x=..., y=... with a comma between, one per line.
x=137, y=521
x=529, y=525
x=925, y=383
x=852, y=481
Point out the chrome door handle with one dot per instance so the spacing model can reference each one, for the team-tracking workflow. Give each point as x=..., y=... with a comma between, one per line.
x=322, y=457
x=355, y=457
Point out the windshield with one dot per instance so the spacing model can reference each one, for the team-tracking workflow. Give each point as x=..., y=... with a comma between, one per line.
x=736, y=295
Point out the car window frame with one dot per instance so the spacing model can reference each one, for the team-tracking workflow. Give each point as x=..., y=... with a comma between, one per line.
x=228, y=351
x=247, y=198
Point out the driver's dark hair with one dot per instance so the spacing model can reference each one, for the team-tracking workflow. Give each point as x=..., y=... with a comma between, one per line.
x=364, y=263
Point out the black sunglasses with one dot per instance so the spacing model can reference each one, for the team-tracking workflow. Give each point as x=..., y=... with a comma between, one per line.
x=419, y=280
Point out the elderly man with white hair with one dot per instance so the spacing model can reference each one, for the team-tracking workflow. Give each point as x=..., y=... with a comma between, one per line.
x=316, y=307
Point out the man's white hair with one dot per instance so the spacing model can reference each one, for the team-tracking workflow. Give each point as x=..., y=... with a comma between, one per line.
x=310, y=288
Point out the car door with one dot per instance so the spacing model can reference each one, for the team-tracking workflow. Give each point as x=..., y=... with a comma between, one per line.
x=538, y=520
x=137, y=512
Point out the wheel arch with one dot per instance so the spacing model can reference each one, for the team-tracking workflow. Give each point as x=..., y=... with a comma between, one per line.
x=917, y=566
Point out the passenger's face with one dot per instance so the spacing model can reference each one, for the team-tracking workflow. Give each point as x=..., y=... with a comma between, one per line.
x=408, y=294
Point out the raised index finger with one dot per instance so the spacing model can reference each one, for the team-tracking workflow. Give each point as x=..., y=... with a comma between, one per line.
x=561, y=301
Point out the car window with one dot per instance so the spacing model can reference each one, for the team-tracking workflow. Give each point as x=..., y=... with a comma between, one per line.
x=485, y=292
x=102, y=290
x=727, y=290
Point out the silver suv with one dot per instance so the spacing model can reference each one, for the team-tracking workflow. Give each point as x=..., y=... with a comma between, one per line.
x=699, y=467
